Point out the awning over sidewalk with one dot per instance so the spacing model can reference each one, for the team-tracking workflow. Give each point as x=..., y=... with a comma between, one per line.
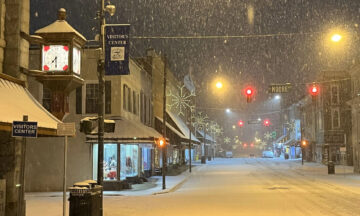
x=279, y=140
x=182, y=127
x=207, y=137
x=182, y=136
x=16, y=101
x=127, y=131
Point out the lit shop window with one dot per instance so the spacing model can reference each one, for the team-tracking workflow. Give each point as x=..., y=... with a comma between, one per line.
x=129, y=160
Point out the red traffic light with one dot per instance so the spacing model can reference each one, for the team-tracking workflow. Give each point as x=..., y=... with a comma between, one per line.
x=245, y=145
x=314, y=90
x=266, y=122
x=249, y=92
x=240, y=123
x=252, y=144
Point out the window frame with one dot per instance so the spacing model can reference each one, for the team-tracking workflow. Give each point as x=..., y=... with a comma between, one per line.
x=332, y=95
x=333, y=110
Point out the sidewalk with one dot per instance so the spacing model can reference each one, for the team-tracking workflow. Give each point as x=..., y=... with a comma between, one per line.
x=152, y=187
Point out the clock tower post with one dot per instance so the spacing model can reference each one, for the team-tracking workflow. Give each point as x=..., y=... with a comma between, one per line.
x=60, y=70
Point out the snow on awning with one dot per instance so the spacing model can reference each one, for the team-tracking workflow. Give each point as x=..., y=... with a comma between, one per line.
x=182, y=136
x=127, y=131
x=16, y=101
x=182, y=126
x=208, y=137
x=279, y=140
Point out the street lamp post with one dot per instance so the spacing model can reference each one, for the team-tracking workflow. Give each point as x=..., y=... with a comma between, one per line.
x=164, y=130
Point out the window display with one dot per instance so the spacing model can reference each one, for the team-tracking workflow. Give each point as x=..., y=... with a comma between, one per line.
x=110, y=161
x=146, y=158
x=129, y=160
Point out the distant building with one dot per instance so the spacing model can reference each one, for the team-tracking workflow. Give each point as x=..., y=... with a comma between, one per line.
x=327, y=119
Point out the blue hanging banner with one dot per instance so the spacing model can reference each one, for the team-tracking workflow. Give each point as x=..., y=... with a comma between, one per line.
x=117, y=47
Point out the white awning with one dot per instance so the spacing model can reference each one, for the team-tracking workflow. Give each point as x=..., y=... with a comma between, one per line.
x=172, y=128
x=16, y=101
x=182, y=126
x=128, y=131
x=208, y=137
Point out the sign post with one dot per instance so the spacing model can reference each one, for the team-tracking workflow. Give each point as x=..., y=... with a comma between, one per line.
x=65, y=129
x=23, y=129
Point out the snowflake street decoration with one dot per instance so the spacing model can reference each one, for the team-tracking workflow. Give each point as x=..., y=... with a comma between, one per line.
x=181, y=101
x=200, y=121
x=267, y=135
x=291, y=126
x=226, y=140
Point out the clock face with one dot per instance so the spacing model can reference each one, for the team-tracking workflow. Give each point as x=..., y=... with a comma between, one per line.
x=76, y=60
x=55, y=58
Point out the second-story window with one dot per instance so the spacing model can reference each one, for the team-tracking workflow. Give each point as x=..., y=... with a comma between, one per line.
x=91, y=98
x=47, y=99
x=142, y=107
x=334, y=94
x=335, y=117
x=91, y=103
x=134, y=102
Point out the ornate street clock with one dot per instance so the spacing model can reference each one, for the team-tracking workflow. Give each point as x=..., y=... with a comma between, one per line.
x=55, y=58
x=60, y=62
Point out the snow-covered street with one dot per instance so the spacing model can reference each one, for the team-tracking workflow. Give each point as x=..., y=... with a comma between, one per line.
x=239, y=186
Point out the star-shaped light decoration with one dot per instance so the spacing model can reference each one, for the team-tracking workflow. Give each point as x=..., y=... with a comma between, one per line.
x=227, y=140
x=181, y=101
x=267, y=135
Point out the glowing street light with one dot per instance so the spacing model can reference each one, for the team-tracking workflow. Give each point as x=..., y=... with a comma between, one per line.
x=336, y=38
x=219, y=85
x=277, y=97
x=228, y=110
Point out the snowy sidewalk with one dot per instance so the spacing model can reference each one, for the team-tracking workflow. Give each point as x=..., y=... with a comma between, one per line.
x=152, y=187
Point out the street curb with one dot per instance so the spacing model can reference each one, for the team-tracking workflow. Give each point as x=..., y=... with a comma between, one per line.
x=178, y=185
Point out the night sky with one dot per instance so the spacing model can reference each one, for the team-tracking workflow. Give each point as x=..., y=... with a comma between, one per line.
x=279, y=40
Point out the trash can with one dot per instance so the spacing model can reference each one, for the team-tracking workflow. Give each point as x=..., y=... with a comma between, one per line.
x=203, y=159
x=209, y=158
x=85, y=199
x=331, y=167
x=286, y=156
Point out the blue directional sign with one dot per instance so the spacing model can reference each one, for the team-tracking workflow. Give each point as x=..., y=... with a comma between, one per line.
x=24, y=129
x=117, y=45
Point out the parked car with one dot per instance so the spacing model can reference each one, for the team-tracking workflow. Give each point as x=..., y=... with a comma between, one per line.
x=228, y=154
x=267, y=154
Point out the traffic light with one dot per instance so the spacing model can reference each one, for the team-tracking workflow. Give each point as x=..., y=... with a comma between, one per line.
x=161, y=142
x=314, y=90
x=244, y=145
x=241, y=123
x=266, y=122
x=252, y=145
x=249, y=92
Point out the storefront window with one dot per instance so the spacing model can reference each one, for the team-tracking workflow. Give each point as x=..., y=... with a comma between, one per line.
x=110, y=162
x=146, y=162
x=129, y=160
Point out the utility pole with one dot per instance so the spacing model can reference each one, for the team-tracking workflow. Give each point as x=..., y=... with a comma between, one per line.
x=164, y=128
x=190, y=140
x=101, y=99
